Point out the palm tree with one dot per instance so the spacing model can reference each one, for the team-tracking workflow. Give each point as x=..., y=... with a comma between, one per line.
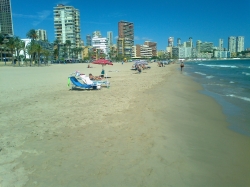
x=57, y=43
x=46, y=53
x=38, y=50
x=11, y=44
x=32, y=34
x=68, y=45
x=31, y=50
x=19, y=45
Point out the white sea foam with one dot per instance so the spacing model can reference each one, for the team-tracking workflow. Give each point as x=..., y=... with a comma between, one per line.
x=231, y=82
x=243, y=98
x=220, y=66
x=246, y=73
x=209, y=77
x=200, y=73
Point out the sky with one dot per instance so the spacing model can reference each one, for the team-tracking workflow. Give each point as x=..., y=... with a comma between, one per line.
x=154, y=20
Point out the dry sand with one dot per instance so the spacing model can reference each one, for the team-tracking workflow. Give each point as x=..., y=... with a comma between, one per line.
x=148, y=129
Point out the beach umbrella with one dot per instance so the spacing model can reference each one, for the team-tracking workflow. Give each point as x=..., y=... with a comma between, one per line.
x=141, y=62
x=102, y=62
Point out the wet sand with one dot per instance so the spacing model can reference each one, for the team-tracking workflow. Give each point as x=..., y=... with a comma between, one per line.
x=148, y=129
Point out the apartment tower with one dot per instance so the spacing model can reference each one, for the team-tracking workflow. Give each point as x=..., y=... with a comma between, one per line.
x=125, y=39
x=110, y=38
x=221, y=48
x=67, y=25
x=41, y=35
x=171, y=42
x=6, y=25
x=240, y=43
x=232, y=44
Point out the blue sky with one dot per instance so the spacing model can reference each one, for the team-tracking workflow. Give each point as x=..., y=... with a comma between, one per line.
x=154, y=20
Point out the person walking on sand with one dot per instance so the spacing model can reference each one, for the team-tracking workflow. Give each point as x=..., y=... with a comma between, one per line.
x=182, y=65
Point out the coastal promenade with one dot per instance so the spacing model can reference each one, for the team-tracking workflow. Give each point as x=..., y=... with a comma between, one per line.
x=148, y=129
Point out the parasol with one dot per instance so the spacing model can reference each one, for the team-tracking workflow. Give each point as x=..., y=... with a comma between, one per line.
x=102, y=62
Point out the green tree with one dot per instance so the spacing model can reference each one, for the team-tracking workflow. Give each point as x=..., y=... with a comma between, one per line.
x=56, y=43
x=19, y=45
x=68, y=46
x=11, y=45
x=32, y=34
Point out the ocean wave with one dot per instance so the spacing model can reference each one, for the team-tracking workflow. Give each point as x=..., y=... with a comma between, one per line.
x=220, y=66
x=231, y=82
x=209, y=77
x=200, y=73
x=243, y=98
x=245, y=73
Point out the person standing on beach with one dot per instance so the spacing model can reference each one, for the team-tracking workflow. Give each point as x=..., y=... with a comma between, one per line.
x=182, y=65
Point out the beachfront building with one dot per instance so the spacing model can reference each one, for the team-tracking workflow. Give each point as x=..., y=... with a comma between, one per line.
x=153, y=46
x=41, y=35
x=141, y=51
x=6, y=24
x=222, y=54
x=181, y=52
x=124, y=47
x=101, y=46
x=125, y=40
x=110, y=38
x=67, y=26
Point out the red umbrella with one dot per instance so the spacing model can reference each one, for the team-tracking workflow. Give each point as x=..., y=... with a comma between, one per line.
x=103, y=62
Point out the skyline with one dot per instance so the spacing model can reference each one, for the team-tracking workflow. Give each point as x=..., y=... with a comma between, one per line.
x=154, y=21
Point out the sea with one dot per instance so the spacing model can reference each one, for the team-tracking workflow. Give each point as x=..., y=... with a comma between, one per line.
x=228, y=82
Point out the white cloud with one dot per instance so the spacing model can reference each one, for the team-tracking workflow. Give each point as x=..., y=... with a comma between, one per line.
x=41, y=16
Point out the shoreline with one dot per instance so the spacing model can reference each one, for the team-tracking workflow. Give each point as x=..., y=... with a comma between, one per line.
x=152, y=129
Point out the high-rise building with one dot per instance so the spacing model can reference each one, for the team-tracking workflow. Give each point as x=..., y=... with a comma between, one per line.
x=171, y=42
x=221, y=48
x=178, y=42
x=41, y=35
x=6, y=25
x=232, y=44
x=240, y=43
x=125, y=39
x=198, y=46
x=67, y=25
x=88, y=40
x=110, y=38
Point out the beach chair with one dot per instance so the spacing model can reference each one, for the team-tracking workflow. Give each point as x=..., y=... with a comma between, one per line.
x=76, y=84
x=87, y=80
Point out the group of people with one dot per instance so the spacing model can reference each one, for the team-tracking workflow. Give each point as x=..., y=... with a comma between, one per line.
x=139, y=67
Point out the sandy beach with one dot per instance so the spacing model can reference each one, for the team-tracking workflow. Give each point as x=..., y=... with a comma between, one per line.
x=148, y=129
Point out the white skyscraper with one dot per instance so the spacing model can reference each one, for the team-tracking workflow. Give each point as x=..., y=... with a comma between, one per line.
x=240, y=43
x=221, y=48
x=232, y=44
x=110, y=38
x=67, y=24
